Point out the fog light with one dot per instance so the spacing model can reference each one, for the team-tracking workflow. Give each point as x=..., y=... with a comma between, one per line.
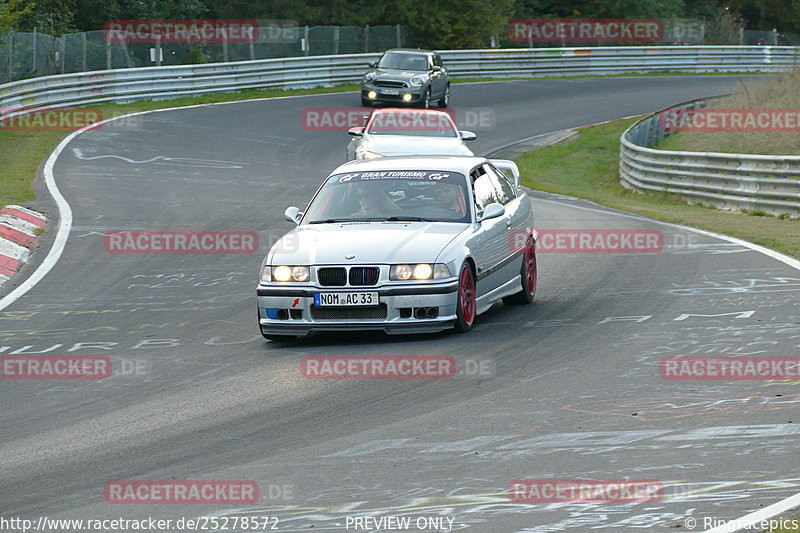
x=406, y=97
x=372, y=94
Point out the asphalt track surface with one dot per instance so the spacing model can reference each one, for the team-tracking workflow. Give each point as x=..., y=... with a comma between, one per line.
x=572, y=391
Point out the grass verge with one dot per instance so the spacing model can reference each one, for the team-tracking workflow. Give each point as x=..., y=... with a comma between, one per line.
x=588, y=167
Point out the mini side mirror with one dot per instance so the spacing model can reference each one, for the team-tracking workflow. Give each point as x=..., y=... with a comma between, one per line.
x=358, y=131
x=468, y=135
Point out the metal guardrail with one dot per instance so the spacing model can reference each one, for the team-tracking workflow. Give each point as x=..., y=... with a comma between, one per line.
x=731, y=181
x=125, y=85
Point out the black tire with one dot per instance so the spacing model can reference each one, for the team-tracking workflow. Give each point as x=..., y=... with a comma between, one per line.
x=465, y=302
x=529, y=273
x=445, y=100
x=425, y=103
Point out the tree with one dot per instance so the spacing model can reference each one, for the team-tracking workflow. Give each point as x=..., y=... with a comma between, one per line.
x=454, y=24
x=11, y=11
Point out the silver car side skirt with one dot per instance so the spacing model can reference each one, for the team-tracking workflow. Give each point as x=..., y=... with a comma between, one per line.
x=508, y=288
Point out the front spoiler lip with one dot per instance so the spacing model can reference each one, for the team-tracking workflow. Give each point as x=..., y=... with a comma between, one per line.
x=416, y=290
x=428, y=326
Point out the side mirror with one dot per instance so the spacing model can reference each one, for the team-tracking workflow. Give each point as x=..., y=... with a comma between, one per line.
x=436, y=68
x=493, y=210
x=293, y=214
x=358, y=131
x=372, y=64
x=468, y=135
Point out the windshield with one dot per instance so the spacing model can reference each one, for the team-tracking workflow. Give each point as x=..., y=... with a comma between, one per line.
x=390, y=195
x=412, y=122
x=403, y=61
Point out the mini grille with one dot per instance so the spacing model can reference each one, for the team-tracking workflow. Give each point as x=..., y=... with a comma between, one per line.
x=390, y=83
x=332, y=277
x=364, y=276
x=348, y=313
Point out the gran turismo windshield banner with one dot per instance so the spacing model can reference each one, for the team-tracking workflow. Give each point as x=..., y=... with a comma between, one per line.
x=415, y=175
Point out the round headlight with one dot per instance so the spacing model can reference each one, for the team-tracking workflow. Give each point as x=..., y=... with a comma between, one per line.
x=300, y=273
x=369, y=77
x=423, y=271
x=372, y=94
x=403, y=272
x=416, y=81
x=282, y=273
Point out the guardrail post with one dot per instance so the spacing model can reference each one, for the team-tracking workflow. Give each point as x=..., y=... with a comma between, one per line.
x=336, y=40
x=158, y=50
x=11, y=54
x=63, y=52
x=108, y=54
x=307, y=43
x=252, y=51
x=33, y=61
x=366, y=39
x=399, y=44
x=83, y=51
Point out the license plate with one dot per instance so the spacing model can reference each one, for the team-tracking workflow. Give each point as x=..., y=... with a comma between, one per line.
x=390, y=91
x=346, y=298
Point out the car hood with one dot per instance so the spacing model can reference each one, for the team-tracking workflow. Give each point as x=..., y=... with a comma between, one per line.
x=413, y=145
x=369, y=242
x=393, y=74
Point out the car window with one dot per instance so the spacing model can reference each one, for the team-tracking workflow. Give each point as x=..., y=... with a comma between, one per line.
x=404, y=61
x=437, y=60
x=412, y=122
x=426, y=195
x=484, y=189
x=504, y=188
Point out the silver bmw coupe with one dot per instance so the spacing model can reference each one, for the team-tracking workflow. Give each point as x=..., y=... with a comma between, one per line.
x=403, y=245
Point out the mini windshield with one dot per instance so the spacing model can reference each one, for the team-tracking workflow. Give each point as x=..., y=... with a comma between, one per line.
x=391, y=195
x=404, y=61
x=412, y=122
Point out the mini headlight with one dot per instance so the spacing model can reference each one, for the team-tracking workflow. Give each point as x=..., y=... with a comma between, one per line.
x=369, y=77
x=366, y=154
x=416, y=81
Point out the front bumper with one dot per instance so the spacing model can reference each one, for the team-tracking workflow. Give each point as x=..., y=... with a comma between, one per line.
x=417, y=94
x=395, y=314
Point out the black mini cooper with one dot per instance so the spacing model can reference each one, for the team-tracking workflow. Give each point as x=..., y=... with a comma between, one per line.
x=406, y=76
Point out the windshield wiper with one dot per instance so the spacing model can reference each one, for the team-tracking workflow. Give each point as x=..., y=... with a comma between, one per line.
x=331, y=220
x=408, y=219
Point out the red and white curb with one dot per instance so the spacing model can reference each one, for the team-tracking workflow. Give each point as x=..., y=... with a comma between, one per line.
x=17, y=236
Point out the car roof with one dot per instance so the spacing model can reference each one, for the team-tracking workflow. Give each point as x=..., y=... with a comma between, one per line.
x=453, y=163
x=417, y=110
x=417, y=50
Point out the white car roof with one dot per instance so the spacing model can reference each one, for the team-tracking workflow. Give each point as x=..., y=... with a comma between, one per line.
x=462, y=164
